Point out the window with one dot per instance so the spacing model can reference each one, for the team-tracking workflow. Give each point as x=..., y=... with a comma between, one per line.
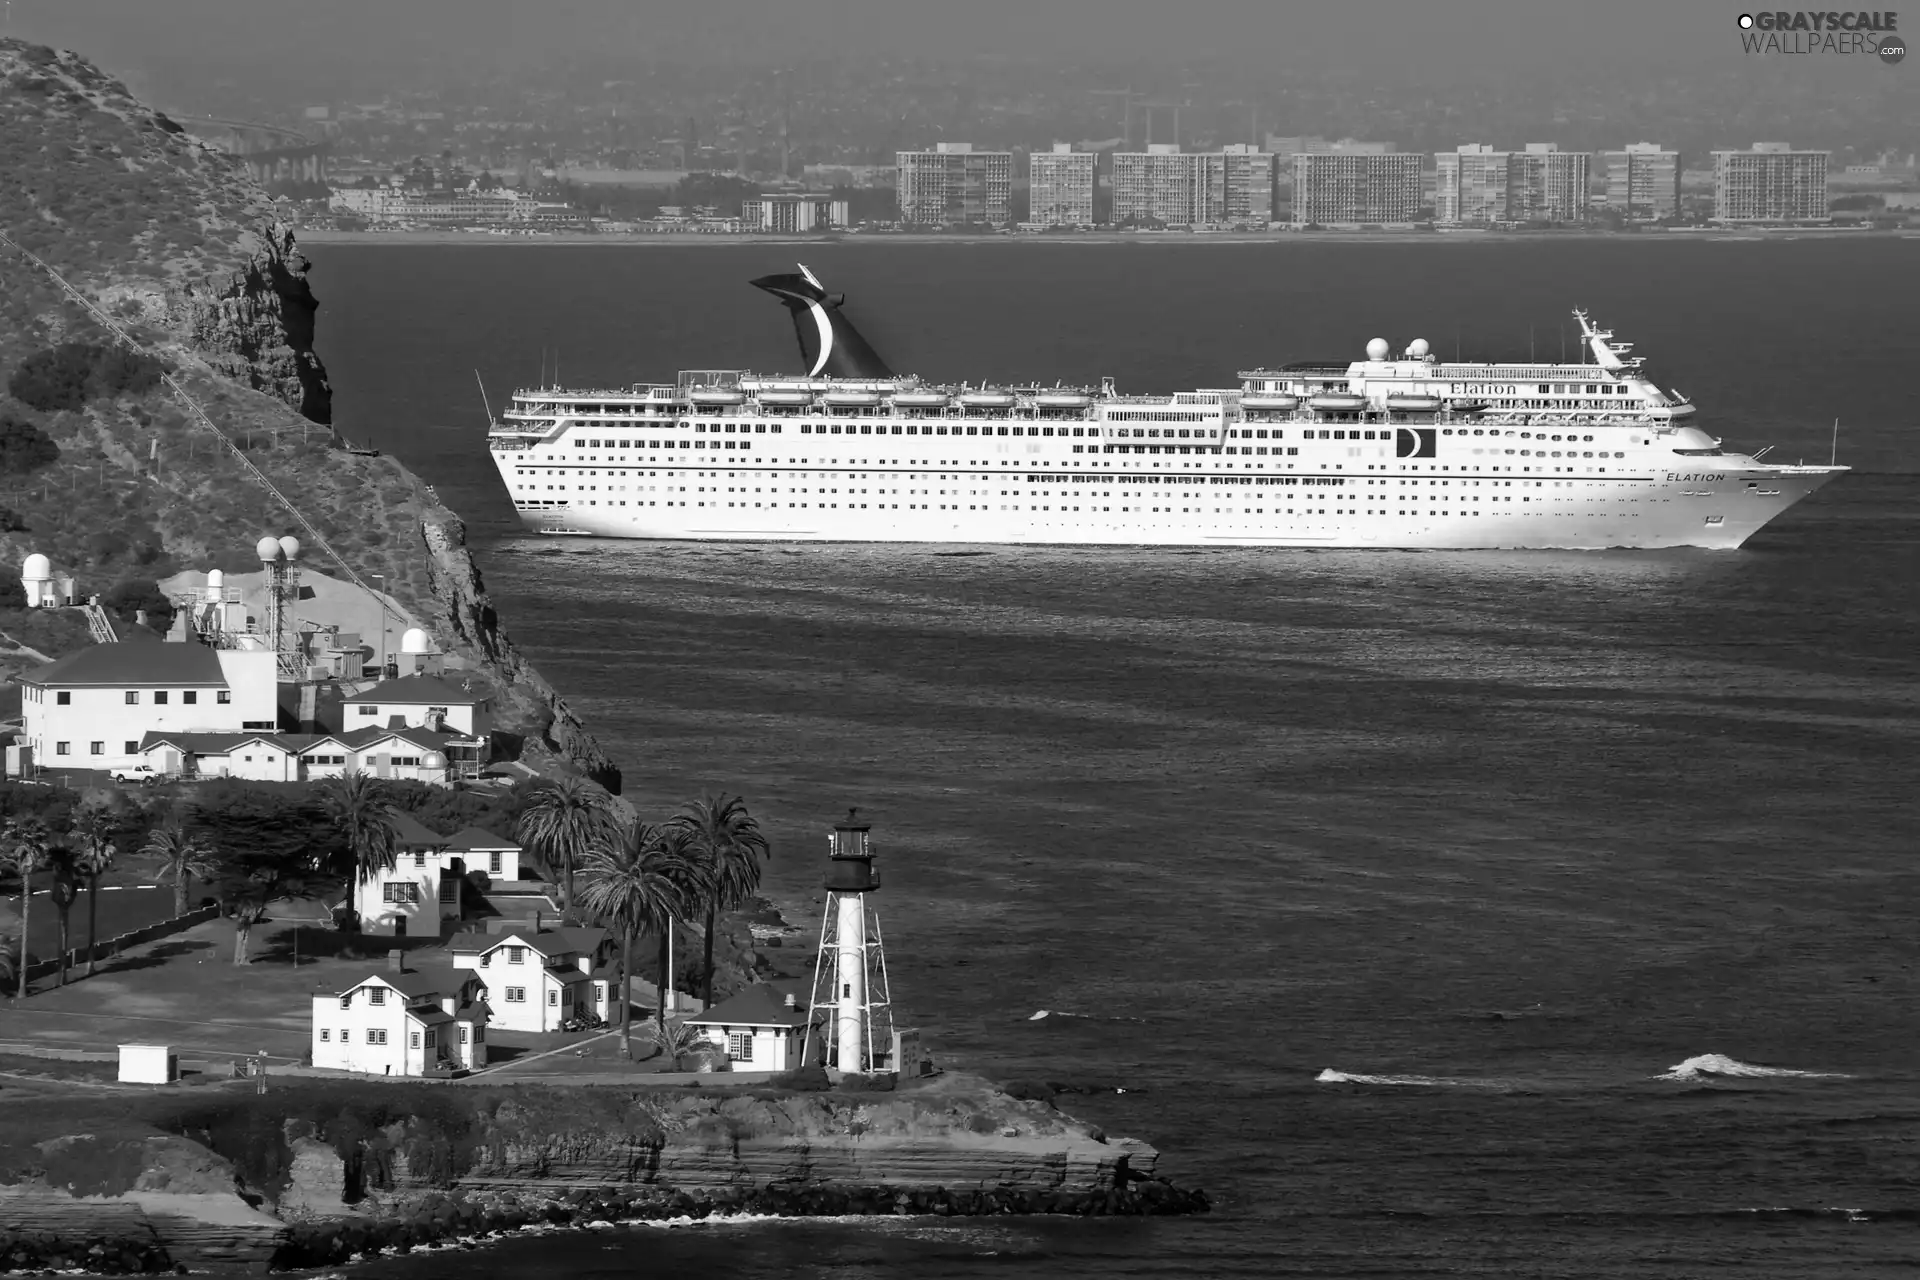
x=133, y=748
x=516, y=955
x=419, y=858
x=599, y=992
x=190, y=698
x=346, y=1001
x=413, y=1041
x=62, y=748
x=399, y=891
x=516, y=995
x=449, y=890
x=366, y=711
x=493, y=864
x=63, y=699
x=486, y=959
x=377, y=995
x=96, y=748
x=463, y=1035
x=223, y=697
x=326, y=1033
x=432, y=1039
x=376, y=1036
x=553, y=997
x=133, y=697
x=160, y=697
x=740, y=1046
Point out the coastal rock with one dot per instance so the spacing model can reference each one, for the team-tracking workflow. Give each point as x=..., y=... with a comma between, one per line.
x=256, y=325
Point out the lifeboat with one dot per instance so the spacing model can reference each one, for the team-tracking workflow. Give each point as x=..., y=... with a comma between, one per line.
x=1412, y=404
x=715, y=395
x=786, y=397
x=987, y=400
x=1679, y=411
x=1335, y=402
x=1282, y=403
x=1469, y=406
x=1062, y=400
x=851, y=399
x=920, y=400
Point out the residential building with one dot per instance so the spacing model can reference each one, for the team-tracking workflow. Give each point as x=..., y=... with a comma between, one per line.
x=91, y=709
x=792, y=214
x=1470, y=186
x=419, y=896
x=485, y=852
x=538, y=978
x=955, y=185
x=471, y=207
x=417, y=755
x=1060, y=187
x=1643, y=181
x=1546, y=184
x=397, y=1022
x=1233, y=186
x=1346, y=189
x=1770, y=183
x=761, y=1029
x=462, y=719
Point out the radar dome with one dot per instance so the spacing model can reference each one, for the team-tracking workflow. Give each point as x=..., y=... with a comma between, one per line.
x=414, y=640
x=1377, y=349
x=268, y=549
x=215, y=579
x=37, y=568
x=290, y=547
x=1418, y=348
x=433, y=760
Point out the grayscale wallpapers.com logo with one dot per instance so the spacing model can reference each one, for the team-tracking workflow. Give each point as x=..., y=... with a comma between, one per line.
x=1844, y=33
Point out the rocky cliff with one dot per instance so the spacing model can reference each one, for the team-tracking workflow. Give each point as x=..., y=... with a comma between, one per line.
x=102, y=470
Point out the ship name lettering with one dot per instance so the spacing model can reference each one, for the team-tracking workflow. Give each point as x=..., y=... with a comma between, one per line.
x=1704, y=477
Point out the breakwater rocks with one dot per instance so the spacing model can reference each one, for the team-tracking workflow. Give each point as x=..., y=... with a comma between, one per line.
x=329, y=1242
x=32, y=1251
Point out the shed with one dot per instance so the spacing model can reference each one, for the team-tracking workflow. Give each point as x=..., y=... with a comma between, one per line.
x=148, y=1064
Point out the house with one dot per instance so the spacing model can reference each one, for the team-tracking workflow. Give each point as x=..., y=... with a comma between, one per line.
x=397, y=1022
x=485, y=851
x=92, y=709
x=420, y=893
x=538, y=978
x=422, y=701
x=764, y=1028
x=418, y=755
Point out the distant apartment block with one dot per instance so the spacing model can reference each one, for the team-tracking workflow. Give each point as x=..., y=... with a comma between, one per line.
x=1060, y=187
x=862, y=176
x=955, y=185
x=793, y=213
x=1643, y=181
x=1338, y=189
x=1770, y=183
x=392, y=205
x=1546, y=184
x=1196, y=188
x=1470, y=186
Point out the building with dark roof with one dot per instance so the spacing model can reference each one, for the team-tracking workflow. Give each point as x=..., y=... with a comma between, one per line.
x=91, y=709
x=763, y=1028
x=401, y=1022
x=538, y=978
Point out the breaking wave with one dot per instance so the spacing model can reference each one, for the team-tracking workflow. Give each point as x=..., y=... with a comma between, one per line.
x=1330, y=1076
x=1709, y=1066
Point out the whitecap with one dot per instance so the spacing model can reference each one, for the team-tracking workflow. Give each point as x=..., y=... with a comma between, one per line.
x=1330, y=1076
x=1709, y=1066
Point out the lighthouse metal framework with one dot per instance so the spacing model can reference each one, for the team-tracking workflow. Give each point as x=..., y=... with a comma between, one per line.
x=850, y=974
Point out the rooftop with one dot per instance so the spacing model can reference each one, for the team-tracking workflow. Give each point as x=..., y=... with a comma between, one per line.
x=761, y=1005
x=546, y=942
x=416, y=690
x=474, y=840
x=134, y=663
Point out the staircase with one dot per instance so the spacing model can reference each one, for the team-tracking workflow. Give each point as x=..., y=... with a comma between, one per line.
x=100, y=624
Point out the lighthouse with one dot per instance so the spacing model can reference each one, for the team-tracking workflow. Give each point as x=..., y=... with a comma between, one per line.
x=850, y=975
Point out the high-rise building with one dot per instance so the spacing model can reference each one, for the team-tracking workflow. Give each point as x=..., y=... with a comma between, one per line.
x=1643, y=181
x=1770, y=183
x=1336, y=189
x=793, y=213
x=1193, y=188
x=1546, y=184
x=1060, y=186
x=1470, y=186
x=954, y=184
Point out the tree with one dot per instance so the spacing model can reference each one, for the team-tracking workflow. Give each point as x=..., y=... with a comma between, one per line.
x=728, y=841
x=65, y=863
x=693, y=879
x=249, y=881
x=94, y=826
x=23, y=446
x=564, y=818
x=182, y=859
x=126, y=599
x=362, y=817
x=13, y=958
x=631, y=881
x=26, y=845
x=673, y=1038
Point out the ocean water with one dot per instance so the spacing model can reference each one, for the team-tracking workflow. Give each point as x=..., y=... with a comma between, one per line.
x=1511, y=914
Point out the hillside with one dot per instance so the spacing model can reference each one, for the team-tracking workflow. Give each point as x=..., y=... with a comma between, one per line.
x=102, y=470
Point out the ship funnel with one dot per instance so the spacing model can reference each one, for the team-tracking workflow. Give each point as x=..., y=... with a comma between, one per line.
x=828, y=341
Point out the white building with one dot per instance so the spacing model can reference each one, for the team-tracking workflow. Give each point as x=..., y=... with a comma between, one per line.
x=419, y=894
x=954, y=185
x=91, y=709
x=1770, y=183
x=415, y=755
x=1643, y=180
x=484, y=851
x=1060, y=187
x=793, y=214
x=1470, y=186
x=419, y=701
x=761, y=1029
x=396, y=1022
x=538, y=978
x=1163, y=184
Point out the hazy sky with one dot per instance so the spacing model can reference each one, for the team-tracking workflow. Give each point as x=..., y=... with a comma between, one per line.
x=1444, y=36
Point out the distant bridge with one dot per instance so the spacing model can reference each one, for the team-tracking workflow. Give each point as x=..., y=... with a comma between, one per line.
x=271, y=154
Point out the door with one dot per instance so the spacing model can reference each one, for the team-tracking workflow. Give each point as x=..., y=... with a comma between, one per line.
x=399, y=926
x=383, y=766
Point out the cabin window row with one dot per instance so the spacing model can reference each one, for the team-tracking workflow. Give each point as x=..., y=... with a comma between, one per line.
x=1154, y=415
x=944, y=431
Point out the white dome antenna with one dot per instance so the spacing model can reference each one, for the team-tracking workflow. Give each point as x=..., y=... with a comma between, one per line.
x=1378, y=349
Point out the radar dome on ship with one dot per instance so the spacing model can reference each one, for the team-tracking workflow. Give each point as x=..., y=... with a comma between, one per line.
x=1377, y=349
x=36, y=569
x=268, y=549
x=1418, y=348
x=414, y=640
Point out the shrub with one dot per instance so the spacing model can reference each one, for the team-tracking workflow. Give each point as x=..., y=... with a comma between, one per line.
x=24, y=447
x=11, y=521
x=803, y=1080
x=1029, y=1091
x=851, y=1083
x=63, y=377
x=127, y=598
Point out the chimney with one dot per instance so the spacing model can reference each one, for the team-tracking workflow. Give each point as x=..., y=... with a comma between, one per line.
x=140, y=617
x=396, y=962
x=309, y=707
x=536, y=921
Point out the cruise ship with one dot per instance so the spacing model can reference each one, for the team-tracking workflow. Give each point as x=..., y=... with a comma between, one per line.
x=1390, y=451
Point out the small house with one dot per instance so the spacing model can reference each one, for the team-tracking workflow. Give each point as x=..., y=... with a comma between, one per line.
x=761, y=1029
x=398, y=1022
x=538, y=978
x=419, y=894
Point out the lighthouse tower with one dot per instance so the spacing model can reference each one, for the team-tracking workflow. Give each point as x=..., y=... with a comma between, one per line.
x=850, y=976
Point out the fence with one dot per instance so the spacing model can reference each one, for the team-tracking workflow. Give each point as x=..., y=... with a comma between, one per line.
x=114, y=946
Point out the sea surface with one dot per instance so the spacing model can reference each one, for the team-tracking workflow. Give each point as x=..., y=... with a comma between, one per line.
x=1499, y=914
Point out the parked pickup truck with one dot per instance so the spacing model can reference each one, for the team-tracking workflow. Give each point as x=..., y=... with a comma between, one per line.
x=134, y=773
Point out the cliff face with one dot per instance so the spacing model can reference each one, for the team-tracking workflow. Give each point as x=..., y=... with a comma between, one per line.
x=170, y=238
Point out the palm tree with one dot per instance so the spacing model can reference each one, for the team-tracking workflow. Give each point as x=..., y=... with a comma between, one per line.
x=694, y=879
x=730, y=844
x=65, y=862
x=27, y=841
x=564, y=818
x=182, y=858
x=363, y=815
x=13, y=958
x=674, y=1038
x=94, y=825
x=632, y=882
